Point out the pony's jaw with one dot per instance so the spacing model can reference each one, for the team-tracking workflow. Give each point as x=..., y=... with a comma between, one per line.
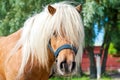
x=66, y=62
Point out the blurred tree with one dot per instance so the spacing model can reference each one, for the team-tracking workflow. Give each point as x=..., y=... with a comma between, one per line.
x=102, y=12
x=92, y=13
x=111, y=8
x=14, y=13
x=116, y=38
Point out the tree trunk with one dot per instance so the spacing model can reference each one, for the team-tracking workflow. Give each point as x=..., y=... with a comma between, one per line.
x=92, y=62
x=106, y=43
x=107, y=38
x=105, y=55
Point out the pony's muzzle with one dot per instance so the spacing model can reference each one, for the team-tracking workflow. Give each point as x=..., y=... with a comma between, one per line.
x=67, y=68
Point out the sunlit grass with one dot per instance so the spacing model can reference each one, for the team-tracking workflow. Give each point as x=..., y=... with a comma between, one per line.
x=70, y=78
x=82, y=78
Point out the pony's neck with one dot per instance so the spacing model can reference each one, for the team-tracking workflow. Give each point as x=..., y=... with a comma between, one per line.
x=35, y=70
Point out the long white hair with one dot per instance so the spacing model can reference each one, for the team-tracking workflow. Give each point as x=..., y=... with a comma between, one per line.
x=38, y=30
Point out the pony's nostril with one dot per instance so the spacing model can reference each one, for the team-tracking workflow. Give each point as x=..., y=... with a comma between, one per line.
x=73, y=66
x=62, y=65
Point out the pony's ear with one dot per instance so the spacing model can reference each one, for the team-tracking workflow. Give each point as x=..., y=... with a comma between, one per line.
x=51, y=10
x=79, y=8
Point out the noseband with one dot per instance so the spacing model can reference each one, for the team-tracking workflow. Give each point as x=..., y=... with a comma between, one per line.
x=65, y=46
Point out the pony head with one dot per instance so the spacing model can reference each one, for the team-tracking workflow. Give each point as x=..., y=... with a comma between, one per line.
x=57, y=28
x=66, y=42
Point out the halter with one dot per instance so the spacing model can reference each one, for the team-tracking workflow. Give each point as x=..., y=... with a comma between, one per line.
x=65, y=46
x=56, y=53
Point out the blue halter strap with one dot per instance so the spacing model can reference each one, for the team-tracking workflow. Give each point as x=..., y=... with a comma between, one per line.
x=65, y=46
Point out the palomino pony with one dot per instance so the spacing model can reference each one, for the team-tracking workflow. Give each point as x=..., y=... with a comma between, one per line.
x=55, y=34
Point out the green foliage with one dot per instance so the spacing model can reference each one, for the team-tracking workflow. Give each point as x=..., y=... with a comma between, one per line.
x=15, y=12
x=112, y=11
x=112, y=49
x=116, y=39
x=92, y=13
x=111, y=3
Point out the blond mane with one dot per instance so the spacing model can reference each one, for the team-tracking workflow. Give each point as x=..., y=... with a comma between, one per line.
x=38, y=30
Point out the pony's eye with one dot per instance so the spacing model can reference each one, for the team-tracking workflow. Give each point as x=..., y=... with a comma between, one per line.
x=56, y=60
x=55, y=34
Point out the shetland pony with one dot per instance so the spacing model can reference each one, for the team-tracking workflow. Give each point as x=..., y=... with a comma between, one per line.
x=55, y=34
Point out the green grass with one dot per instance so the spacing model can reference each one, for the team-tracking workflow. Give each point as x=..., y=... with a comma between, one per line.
x=82, y=78
x=73, y=78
